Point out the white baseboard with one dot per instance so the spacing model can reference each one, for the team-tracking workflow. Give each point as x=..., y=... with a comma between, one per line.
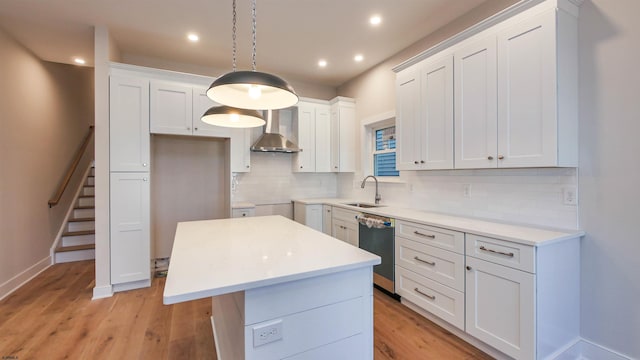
x=101, y=292
x=587, y=350
x=131, y=285
x=17, y=281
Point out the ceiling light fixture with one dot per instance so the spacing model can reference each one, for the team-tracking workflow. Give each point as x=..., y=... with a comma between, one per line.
x=79, y=61
x=230, y=116
x=322, y=63
x=375, y=20
x=193, y=37
x=358, y=58
x=251, y=89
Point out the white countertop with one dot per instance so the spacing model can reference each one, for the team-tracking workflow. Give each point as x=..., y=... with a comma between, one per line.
x=215, y=257
x=527, y=235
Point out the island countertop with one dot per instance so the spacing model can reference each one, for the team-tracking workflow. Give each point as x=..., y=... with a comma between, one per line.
x=215, y=257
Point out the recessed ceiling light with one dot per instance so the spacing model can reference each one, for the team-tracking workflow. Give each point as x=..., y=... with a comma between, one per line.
x=79, y=61
x=375, y=20
x=322, y=63
x=193, y=37
x=358, y=58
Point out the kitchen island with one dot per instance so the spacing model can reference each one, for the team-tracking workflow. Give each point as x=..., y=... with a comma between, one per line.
x=279, y=289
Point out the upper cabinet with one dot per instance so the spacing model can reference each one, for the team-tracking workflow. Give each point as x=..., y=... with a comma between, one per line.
x=514, y=102
x=129, y=124
x=343, y=135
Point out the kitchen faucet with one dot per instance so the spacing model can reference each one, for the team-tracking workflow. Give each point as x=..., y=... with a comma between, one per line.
x=377, y=194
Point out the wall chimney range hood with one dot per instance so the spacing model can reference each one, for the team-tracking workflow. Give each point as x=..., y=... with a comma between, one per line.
x=272, y=141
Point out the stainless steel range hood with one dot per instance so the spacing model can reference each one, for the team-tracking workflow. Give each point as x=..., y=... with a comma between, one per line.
x=272, y=141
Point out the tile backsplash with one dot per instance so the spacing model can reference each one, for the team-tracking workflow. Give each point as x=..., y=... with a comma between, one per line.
x=523, y=196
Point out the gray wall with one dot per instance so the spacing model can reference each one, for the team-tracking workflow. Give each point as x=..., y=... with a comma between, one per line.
x=46, y=110
x=609, y=173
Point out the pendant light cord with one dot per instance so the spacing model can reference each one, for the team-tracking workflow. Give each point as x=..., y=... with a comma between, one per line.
x=233, y=31
x=253, y=13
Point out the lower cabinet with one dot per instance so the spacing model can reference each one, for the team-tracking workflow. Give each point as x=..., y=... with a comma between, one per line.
x=345, y=226
x=308, y=214
x=327, y=215
x=130, y=228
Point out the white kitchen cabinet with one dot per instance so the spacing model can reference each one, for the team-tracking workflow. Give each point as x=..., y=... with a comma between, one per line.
x=327, y=216
x=308, y=214
x=476, y=119
x=129, y=124
x=323, y=138
x=304, y=135
x=202, y=103
x=537, y=91
x=240, y=150
x=343, y=133
x=345, y=226
x=130, y=228
x=171, y=108
x=425, y=119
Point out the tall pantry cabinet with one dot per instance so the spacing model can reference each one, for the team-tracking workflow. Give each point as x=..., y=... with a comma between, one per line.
x=129, y=182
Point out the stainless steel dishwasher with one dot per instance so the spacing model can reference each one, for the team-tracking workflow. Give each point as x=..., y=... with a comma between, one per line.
x=376, y=235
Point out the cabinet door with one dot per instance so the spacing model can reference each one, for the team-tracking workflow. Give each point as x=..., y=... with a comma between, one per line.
x=436, y=101
x=129, y=124
x=202, y=103
x=352, y=233
x=171, y=108
x=527, y=119
x=335, y=138
x=347, y=114
x=323, y=138
x=476, y=119
x=304, y=130
x=339, y=230
x=327, y=219
x=313, y=216
x=407, y=119
x=500, y=307
x=130, y=240
x=240, y=152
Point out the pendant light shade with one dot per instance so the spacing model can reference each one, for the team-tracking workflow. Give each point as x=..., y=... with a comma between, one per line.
x=252, y=90
x=228, y=116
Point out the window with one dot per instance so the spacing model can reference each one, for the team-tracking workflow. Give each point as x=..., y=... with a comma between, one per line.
x=384, y=152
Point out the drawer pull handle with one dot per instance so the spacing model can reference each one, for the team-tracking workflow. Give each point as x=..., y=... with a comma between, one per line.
x=432, y=263
x=425, y=235
x=496, y=252
x=431, y=297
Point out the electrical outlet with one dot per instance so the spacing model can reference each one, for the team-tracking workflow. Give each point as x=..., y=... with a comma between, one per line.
x=267, y=333
x=466, y=190
x=570, y=196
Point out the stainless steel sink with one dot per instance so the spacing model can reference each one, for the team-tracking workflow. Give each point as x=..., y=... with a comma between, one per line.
x=362, y=205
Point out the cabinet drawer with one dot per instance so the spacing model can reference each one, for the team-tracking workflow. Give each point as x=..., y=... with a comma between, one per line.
x=440, y=300
x=345, y=215
x=514, y=255
x=431, y=235
x=443, y=266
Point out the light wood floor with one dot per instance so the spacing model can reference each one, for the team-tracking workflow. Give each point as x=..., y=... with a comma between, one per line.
x=53, y=317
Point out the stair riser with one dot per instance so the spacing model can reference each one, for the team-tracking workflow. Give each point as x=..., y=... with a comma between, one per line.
x=91, y=181
x=79, y=255
x=81, y=226
x=88, y=191
x=78, y=240
x=92, y=172
x=86, y=201
x=84, y=213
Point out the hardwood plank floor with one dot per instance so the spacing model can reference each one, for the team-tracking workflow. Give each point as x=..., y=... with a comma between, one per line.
x=53, y=317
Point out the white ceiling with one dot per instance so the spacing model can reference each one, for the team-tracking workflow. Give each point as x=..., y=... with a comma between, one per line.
x=292, y=35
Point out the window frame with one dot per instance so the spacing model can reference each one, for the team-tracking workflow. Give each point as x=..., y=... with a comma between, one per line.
x=373, y=142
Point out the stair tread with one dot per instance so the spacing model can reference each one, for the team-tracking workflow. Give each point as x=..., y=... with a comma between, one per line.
x=84, y=207
x=78, y=233
x=75, y=248
x=89, y=186
x=82, y=219
x=86, y=196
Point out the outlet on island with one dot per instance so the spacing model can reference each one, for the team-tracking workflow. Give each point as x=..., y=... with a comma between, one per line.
x=267, y=333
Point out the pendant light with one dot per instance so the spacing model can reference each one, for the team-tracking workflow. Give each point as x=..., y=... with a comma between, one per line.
x=251, y=89
x=228, y=116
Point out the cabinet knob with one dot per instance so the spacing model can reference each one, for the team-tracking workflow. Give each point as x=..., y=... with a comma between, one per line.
x=144, y=179
x=335, y=167
x=468, y=267
x=196, y=129
x=144, y=164
x=188, y=128
x=416, y=162
x=489, y=157
x=244, y=214
x=500, y=157
x=421, y=161
x=300, y=166
x=247, y=166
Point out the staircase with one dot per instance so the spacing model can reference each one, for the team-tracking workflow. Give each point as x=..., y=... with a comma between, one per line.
x=78, y=240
